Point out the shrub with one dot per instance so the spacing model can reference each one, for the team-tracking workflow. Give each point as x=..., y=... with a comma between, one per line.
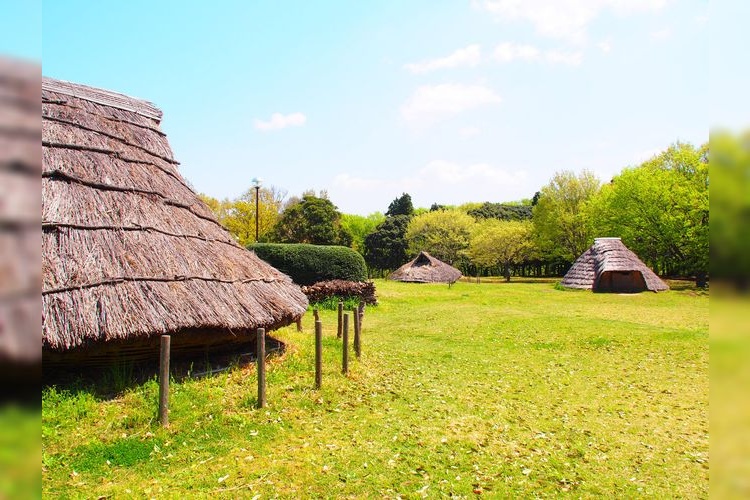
x=308, y=264
x=345, y=291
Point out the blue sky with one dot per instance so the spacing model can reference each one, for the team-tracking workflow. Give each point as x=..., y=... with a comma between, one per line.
x=450, y=101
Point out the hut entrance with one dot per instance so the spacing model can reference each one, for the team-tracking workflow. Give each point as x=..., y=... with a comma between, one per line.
x=422, y=260
x=621, y=281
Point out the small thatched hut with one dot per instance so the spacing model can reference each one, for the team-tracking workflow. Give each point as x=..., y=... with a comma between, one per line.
x=426, y=269
x=609, y=266
x=129, y=250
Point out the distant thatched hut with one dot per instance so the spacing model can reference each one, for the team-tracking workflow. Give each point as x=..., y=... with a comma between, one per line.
x=426, y=269
x=609, y=266
x=129, y=250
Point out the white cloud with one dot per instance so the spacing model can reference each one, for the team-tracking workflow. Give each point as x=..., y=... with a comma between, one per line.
x=605, y=46
x=279, y=121
x=557, y=56
x=508, y=52
x=469, y=131
x=564, y=19
x=662, y=34
x=429, y=103
x=453, y=174
x=468, y=56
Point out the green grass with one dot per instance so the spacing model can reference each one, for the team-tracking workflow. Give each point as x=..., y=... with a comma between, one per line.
x=506, y=389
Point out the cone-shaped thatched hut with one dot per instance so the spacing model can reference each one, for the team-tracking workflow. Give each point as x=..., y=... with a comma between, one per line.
x=129, y=250
x=609, y=266
x=426, y=269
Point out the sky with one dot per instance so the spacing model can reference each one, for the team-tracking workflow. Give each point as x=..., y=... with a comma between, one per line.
x=449, y=101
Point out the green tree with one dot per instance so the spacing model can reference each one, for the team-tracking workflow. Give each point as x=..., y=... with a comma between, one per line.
x=501, y=243
x=360, y=226
x=562, y=225
x=660, y=210
x=443, y=233
x=312, y=220
x=238, y=215
x=400, y=206
x=386, y=247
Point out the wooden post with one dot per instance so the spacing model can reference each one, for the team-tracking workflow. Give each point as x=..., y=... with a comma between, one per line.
x=356, y=332
x=164, y=380
x=345, y=355
x=299, y=324
x=318, y=354
x=260, y=354
x=316, y=315
x=340, y=325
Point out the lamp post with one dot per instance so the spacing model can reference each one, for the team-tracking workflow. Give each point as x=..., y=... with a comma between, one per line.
x=256, y=184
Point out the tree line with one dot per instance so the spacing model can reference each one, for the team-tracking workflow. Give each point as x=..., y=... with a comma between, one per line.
x=659, y=208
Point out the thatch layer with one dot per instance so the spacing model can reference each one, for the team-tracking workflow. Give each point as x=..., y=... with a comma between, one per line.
x=425, y=268
x=608, y=256
x=20, y=202
x=129, y=250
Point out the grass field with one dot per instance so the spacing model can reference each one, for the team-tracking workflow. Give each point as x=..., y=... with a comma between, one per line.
x=498, y=389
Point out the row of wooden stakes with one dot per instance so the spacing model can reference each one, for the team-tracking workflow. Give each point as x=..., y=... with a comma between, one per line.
x=342, y=332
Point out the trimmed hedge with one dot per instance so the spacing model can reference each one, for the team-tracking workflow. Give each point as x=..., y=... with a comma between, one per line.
x=309, y=264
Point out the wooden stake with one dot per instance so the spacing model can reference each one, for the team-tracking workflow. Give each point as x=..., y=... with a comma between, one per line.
x=356, y=332
x=340, y=325
x=318, y=354
x=164, y=380
x=316, y=315
x=345, y=355
x=299, y=324
x=260, y=354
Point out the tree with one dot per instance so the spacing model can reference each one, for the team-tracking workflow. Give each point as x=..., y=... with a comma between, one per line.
x=386, y=247
x=501, y=211
x=313, y=220
x=443, y=233
x=359, y=227
x=501, y=243
x=561, y=220
x=238, y=215
x=400, y=206
x=660, y=210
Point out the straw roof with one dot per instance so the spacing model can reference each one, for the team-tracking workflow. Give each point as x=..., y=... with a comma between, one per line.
x=609, y=255
x=426, y=269
x=20, y=245
x=129, y=250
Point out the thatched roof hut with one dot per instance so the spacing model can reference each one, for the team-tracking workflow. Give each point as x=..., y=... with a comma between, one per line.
x=129, y=250
x=20, y=245
x=426, y=269
x=609, y=266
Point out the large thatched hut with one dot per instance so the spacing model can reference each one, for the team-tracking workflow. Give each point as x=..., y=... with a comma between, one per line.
x=129, y=250
x=609, y=266
x=425, y=268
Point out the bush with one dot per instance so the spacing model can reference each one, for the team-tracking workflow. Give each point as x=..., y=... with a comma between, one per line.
x=345, y=291
x=308, y=264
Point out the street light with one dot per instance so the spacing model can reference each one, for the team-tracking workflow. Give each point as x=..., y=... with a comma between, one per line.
x=257, y=181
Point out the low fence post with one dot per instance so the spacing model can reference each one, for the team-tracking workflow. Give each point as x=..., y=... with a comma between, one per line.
x=316, y=315
x=340, y=325
x=164, y=380
x=318, y=354
x=357, y=326
x=345, y=355
x=260, y=353
x=299, y=324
